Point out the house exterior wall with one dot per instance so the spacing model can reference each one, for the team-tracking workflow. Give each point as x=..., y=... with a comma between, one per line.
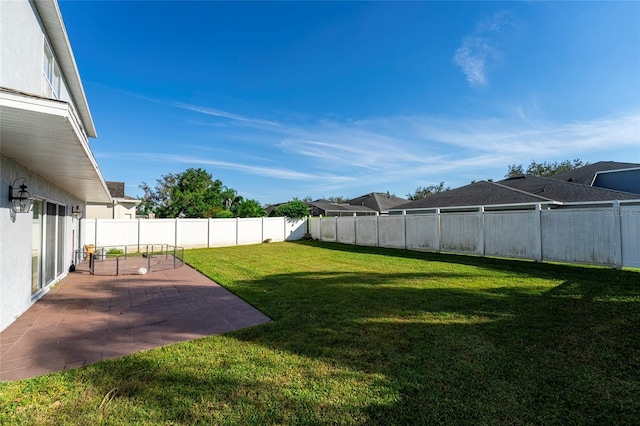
x=17, y=236
x=99, y=211
x=23, y=46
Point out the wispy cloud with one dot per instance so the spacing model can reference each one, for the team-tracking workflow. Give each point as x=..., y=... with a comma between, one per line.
x=325, y=156
x=480, y=51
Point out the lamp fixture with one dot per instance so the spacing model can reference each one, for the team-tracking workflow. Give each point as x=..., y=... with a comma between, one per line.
x=20, y=199
x=76, y=212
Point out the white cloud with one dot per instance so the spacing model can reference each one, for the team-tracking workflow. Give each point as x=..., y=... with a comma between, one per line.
x=479, y=50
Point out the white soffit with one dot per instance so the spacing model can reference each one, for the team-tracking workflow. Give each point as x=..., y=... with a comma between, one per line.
x=45, y=137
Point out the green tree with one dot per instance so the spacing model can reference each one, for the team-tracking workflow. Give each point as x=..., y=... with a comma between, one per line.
x=545, y=169
x=250, y=208
x=192, y=193
x=428, y=191
x=295, y=209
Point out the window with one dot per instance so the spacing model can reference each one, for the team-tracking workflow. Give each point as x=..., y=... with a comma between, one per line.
x=51, y=74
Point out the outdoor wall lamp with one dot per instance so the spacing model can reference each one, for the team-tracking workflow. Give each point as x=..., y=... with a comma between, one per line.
x=20, y=199
x=76, y=212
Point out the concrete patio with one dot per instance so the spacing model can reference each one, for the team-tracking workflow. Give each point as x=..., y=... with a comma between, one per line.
x=87, y=318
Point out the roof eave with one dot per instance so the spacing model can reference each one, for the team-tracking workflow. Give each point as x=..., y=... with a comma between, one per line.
x=52, y=20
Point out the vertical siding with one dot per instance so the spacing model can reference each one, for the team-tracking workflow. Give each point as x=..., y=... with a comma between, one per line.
x=578, y=235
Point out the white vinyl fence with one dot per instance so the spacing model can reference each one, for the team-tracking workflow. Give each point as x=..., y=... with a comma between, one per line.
x=190, y=233
x=601, y=235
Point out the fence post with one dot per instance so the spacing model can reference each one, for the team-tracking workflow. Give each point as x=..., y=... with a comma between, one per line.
x=481, y=233
x=237, y=231
x=377, y=229
x=335, y=238
x=139, y=233
x=538, y=233
x=438, y=231
x=617, y=234
x=355, y=229
x=404, y=228
x=175, y=236
x=208, y=235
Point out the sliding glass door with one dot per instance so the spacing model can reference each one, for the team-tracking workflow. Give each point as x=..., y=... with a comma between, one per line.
x=48, y=243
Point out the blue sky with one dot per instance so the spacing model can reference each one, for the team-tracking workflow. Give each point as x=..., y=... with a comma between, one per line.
x=287, y=99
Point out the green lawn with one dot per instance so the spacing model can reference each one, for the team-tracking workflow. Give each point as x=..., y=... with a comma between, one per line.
x=375, y=336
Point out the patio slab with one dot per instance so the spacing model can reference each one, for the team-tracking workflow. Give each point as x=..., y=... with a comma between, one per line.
x=87, y=318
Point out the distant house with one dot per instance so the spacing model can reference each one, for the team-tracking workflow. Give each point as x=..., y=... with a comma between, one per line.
x=327, y=208
x=512, y=193
x=47, y=170
x=121, y=206
x=606, y=174
x=378, y=201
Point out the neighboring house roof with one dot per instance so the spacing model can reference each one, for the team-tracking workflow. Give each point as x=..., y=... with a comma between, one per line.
x=339, y=208
x=378, y=201
x=565, y=192
x=586, y=174
x=116, y=189
x=517, y=190
x=117, y=192
x=476, y=194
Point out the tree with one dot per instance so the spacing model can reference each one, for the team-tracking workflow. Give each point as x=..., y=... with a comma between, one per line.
x=250, y=208
x=428, y=191
x=192, y=193
x=545, y=169
x=338, y=199
x=295, y=209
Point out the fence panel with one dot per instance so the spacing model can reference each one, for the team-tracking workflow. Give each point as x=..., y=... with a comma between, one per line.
x=295, y=229
x=630, y=226
x=346, y=230
x=578, y=235
x=250, y=231
x=115, y=232
x=88, y=230
x=314, y=227
x=328, y=229
x=192, y=233
x=391, y=231
x=511, y=234
x=461, y=232
x=222, y=233
x=158, y=231
x=422, y=232
x=367, y=230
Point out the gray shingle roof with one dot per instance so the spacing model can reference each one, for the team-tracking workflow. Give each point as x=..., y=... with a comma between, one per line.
x=585, y=174
x=378, y=201
x=481, y=193
x=116, y=189
x=565, y=192
x=335, y=207
x=519, y=190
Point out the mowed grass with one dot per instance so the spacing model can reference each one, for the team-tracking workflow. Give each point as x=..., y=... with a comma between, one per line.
x=375, y=336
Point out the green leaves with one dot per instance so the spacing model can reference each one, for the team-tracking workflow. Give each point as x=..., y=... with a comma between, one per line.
x=195, y=194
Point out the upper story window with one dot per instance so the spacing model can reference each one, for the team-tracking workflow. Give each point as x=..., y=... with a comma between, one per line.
x=51, y=74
